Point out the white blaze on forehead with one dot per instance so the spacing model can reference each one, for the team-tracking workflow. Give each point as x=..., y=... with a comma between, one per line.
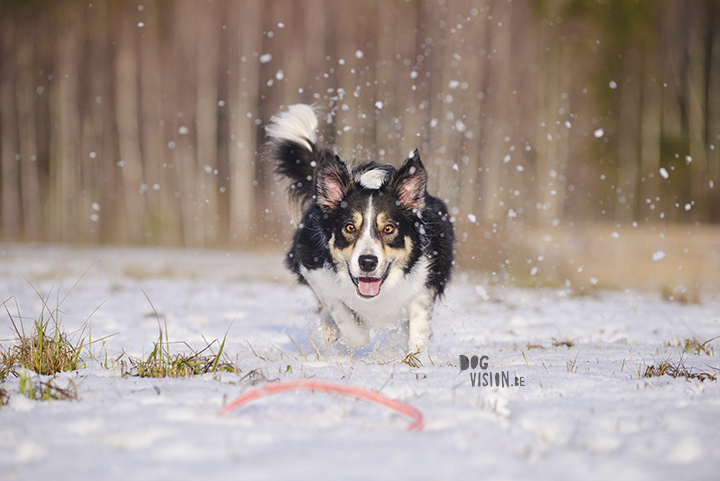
x=364, y=244
x=373, y=178
x=367, y=244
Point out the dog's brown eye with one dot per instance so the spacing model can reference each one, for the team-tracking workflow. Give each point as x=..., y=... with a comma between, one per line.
x=350, y=228
x=389, y=229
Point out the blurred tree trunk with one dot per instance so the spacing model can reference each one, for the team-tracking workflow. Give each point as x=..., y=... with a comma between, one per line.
x=474, y=65
x=548, y=204
x=713, y=111
x=27, y=136
x=449, y=107
x=208, y=46
x=292, y=58
x=11, y=202
x=98, y=146
x=163, y=215
x=499, y=105
x=628, y=138
x=64, y=210
x=697, y=96
x=650, y=134
x=133, y=190
x=672, y=114
x=346, y=135
x=386, y=83
x=434, y=58
x=245, y=75
x=184, y=126
x=409, y=100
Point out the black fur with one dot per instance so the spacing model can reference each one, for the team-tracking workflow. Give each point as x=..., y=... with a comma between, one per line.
x=440, y=236
x=294, y=162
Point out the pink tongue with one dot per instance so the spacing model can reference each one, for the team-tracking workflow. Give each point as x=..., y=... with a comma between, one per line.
x=369, y=287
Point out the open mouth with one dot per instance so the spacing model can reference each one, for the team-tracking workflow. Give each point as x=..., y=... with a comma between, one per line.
x=368, y=287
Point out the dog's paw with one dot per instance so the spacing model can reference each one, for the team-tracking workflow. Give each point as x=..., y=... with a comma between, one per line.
x=417, y=344
x=357, y=339
x=331, y=331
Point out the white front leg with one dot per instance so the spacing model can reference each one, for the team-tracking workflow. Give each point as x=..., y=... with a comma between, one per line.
x=419, y=330
x=354, y=331
x=332, y=333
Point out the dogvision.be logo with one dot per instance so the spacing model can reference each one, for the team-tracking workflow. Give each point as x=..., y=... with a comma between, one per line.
x=480, y=376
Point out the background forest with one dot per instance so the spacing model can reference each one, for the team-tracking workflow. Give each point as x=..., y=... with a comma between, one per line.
x=139, y=122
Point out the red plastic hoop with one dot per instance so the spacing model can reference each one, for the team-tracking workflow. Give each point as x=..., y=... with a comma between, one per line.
x=315, y=385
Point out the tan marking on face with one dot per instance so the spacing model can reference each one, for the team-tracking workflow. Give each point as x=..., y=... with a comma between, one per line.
x=346, y=253
x=382, y=223
x=401, y=257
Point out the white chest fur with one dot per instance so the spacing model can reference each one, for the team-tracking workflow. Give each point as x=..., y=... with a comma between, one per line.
x=388, y=308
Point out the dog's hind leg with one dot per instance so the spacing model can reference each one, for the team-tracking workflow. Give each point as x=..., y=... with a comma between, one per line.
x=419, y=330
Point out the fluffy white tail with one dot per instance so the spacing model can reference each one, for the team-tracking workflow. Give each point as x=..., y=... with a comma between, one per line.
x=298, y=124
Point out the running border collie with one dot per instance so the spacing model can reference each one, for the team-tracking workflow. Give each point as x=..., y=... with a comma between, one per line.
x=373, y=245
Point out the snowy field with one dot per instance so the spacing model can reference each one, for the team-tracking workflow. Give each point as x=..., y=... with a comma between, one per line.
x=582, y=413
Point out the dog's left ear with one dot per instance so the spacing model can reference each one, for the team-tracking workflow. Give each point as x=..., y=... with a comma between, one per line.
x=410, y=183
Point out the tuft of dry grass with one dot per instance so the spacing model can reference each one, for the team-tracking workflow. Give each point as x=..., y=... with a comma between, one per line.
x=412, y=360
x=696, y=347
x=161, y=362
x=45, y=348
x=676, y=370
x=554, y=342
x=45, y=390
x=6, y=363
x=572, y=362
x=563, y=342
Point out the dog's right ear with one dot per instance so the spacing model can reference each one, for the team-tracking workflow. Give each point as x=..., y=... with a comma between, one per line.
x=332, y=181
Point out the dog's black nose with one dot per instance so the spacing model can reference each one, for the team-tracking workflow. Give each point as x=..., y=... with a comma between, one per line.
x=368, y=263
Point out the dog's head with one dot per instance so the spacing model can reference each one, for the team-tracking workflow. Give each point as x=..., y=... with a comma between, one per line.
x=373, y=218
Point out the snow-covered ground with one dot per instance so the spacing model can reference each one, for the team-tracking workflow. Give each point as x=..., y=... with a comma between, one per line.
x=582, y=412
